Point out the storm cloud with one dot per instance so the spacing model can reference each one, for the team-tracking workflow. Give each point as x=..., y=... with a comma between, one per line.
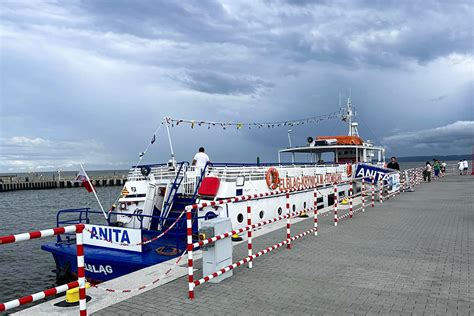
x=91, y=80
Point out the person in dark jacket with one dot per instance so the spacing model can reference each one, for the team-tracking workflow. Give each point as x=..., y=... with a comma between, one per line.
x=393, y=164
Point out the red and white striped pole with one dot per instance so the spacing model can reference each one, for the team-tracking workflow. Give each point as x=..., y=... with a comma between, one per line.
x=288, y=221
x=350, y=199
x=189, y=238
x=363, y=195
x=315, y=204
x=335, y=204
x=373, y=191
x=81, y=273
x=249, y=233
x=381, y=191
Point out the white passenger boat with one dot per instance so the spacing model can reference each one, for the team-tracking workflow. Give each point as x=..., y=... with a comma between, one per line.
x=148, y=225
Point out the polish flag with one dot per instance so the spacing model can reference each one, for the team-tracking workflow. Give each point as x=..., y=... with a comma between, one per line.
x=82, y=177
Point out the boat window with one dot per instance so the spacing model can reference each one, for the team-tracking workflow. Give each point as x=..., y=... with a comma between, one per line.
x=261, y=214
x=294, y=208
x=304, y=205
x=240, y=218
x=280, y=211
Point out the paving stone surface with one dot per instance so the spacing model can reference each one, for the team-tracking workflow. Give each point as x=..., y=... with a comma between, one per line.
x=411, y=255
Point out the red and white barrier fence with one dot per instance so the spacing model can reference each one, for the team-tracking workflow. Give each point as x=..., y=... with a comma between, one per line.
x=249, y=228
x=81, y=280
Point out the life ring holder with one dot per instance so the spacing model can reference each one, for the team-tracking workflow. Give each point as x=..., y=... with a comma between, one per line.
x=167, y=251
x=273, y=178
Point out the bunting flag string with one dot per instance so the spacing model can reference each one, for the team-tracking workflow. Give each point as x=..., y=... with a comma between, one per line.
x=224, y=125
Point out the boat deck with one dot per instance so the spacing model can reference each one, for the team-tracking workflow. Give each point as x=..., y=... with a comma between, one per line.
x=409, y=255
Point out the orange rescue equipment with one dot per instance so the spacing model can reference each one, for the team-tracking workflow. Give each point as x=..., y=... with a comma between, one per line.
x=273, y=178
x=349, y=169
x=343, y=140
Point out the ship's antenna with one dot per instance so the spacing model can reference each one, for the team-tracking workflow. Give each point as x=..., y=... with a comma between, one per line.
x=349, y=112
x=169, y=138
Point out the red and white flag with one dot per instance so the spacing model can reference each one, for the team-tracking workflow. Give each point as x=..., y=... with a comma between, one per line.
x=82, y=177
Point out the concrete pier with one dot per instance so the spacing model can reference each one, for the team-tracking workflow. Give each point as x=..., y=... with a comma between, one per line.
x=411, y=255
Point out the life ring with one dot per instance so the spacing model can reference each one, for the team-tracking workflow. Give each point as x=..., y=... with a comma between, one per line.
x=273, y=178
x=167, y=251
x=349, y=169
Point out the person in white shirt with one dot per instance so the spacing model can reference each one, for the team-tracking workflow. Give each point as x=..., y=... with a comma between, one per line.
x=201, y=158
x=427, y=172
x=460, y=167
x=465, y=166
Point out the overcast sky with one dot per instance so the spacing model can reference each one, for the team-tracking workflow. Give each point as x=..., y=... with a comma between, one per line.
x=90, y=81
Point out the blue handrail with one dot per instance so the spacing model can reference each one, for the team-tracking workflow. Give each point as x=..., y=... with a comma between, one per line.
x=174, y=189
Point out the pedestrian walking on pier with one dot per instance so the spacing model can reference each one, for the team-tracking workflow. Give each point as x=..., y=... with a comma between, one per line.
x=393, y=164
x=427, y=172
x=465, y=167
x=443, y=168
x=436, y=168
x=460, y=167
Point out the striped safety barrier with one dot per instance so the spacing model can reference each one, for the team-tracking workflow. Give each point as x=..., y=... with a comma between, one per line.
x=81, y=280
x=336, y=198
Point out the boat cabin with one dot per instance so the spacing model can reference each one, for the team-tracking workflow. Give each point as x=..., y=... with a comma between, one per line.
x=342, y=149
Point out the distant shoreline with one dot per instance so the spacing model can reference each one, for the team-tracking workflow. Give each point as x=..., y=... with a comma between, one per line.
x=431, y=157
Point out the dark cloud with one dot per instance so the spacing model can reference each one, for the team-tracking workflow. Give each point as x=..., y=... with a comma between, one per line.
x=218, y=83
x=453, y=138
x=108, y=71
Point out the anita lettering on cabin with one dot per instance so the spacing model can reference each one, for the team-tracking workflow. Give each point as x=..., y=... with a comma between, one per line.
x=110, y=234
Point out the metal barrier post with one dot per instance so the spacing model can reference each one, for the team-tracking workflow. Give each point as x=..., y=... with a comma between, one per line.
x=315, y=204
x=81, y=273
x=373, y=191
x=189, y=238
x=288, y=221
x=381, y=191
x=363, y=195
x=249, y=233
x=351, y=192
x=336, y=197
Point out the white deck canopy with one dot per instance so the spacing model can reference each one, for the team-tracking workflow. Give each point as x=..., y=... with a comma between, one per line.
x=342, y=153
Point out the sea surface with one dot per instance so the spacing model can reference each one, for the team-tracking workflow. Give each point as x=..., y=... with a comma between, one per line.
x=24, y=267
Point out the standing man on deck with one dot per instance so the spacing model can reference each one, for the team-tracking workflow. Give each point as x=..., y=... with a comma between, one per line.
x=200, y=159
x=393, y=164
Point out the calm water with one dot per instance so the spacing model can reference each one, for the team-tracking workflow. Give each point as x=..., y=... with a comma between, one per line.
x=24, y=267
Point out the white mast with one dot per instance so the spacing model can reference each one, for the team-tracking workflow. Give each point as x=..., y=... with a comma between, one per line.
x=350, y=113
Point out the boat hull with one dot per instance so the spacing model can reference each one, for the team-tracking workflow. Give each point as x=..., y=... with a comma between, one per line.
x=102, y=264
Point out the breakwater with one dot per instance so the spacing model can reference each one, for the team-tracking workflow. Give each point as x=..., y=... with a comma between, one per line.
x=26, y=184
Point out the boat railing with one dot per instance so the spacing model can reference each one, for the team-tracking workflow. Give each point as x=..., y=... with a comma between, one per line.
x=250, y=172
x=84, y=217
x=158, y=171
